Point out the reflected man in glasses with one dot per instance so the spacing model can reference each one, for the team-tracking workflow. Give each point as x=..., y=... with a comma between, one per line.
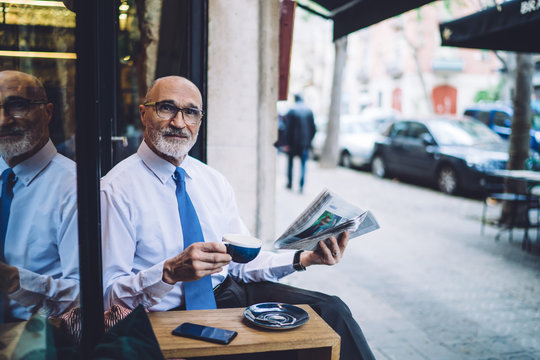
x=164, y=214
x=38, y=206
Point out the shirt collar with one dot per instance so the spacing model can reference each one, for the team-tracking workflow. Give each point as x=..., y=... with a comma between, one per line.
x=160, y=167
x=29, y=169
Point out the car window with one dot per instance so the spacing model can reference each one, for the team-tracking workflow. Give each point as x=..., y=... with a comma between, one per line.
x=416, y=130
x=462, y=132
x=536, y=122
x=399, y=130
x=483, y=116
x=501, y=119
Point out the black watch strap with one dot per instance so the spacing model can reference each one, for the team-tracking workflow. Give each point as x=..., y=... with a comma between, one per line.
x=296, y=261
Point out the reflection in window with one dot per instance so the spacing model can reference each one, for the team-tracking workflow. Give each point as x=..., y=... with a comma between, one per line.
x=38, y=37
x=38, y=203
x=132, y=60
x=152, y=42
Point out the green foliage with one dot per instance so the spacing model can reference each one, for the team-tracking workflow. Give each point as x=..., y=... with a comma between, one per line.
x=447, y=5
x=453, y=4
x=490, y=94
x=486, y=95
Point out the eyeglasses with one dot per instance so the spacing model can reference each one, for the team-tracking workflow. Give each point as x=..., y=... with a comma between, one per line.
x=167, y=111
x=19, y=107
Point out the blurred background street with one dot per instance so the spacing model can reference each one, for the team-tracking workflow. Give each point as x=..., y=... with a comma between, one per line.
x=427, y=284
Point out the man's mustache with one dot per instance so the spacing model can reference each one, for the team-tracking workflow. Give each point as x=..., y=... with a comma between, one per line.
x=175, y=132
x=11, y=131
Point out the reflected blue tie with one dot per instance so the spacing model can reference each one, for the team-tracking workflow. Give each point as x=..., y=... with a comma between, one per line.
x=199, y=294
x=8, y=180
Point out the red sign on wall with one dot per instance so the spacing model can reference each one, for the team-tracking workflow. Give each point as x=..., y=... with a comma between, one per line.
x=396, y=99
x=444, y=99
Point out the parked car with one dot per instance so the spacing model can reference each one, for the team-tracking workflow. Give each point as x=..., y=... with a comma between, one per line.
x=357, y=138
x=498, y=117
x=453, y=154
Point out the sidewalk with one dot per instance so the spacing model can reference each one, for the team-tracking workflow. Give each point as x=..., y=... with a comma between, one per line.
x=426, y=285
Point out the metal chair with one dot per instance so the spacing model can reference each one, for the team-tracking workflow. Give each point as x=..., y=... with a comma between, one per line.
x=519, y=201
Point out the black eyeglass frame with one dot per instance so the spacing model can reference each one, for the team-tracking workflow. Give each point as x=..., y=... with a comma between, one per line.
x=177, y=109
x=27, y=104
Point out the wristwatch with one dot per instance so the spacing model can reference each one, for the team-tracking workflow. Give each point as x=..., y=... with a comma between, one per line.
x=296, y=261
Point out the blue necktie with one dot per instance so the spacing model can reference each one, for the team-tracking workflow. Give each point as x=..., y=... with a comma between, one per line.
x=8, y=180
x=199, y=294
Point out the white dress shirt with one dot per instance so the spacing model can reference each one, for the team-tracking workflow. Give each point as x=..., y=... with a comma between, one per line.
x=42, y=234
x=141, y=229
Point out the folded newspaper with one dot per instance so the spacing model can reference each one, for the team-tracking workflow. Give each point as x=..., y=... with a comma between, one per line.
x=328, y=215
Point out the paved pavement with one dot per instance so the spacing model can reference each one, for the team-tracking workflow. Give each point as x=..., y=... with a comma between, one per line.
x=426, y=285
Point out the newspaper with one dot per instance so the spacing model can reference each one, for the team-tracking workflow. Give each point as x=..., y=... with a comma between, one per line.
x=328, y=215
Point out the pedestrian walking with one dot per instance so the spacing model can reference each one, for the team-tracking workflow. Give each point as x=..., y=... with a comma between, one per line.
x=300, y=131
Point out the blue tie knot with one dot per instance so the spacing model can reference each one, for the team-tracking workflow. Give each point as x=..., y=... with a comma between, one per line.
x=179, y=175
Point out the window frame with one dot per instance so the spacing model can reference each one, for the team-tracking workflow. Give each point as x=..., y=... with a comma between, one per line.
x=96, y=86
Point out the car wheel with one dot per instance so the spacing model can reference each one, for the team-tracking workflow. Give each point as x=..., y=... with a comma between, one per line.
x=345, y=160
x=447, y=181
x=378, y=167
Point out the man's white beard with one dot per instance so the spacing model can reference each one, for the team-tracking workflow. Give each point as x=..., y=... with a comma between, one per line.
x=10, y=149
x=172, y=147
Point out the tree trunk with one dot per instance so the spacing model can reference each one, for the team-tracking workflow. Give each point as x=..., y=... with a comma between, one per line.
x=415, y=48
x=519, y=137
x=420, y=74
x=330, y=153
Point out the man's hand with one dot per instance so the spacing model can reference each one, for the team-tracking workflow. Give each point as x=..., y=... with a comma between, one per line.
x=9, y=278
x=329, y=252
x=195, y=262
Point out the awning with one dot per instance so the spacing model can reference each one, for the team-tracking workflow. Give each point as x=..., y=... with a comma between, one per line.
x=511, y=26
x=352, y=15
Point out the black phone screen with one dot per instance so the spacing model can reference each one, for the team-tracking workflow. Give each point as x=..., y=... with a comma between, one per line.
x=208, y=333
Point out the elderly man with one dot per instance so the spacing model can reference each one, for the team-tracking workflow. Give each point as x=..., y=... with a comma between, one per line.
x=38, y=212
x=163, y=217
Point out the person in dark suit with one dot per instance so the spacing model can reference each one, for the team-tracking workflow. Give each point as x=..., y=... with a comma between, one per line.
x=300, y=131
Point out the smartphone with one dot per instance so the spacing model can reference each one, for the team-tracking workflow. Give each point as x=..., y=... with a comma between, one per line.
x=208, y=333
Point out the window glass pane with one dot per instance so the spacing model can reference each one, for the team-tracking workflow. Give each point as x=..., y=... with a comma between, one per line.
x=133, y=64
x=152, y=43
x=483, y=116
x=399, y=130
x=501, y=119
x=536, y=121
x=416, y=130
x=38, y=232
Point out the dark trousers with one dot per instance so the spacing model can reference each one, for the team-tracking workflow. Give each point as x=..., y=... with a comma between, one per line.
x=303, y=158
x=354, y=346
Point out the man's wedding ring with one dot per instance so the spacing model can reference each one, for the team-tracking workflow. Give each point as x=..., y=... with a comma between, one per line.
x=335, y=253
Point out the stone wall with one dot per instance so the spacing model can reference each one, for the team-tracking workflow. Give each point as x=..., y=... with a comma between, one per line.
x=242, y=96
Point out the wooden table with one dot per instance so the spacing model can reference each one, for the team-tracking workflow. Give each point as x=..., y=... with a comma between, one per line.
x=314, y=340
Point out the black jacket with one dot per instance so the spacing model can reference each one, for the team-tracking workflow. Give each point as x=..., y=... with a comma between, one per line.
x=300, y=128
